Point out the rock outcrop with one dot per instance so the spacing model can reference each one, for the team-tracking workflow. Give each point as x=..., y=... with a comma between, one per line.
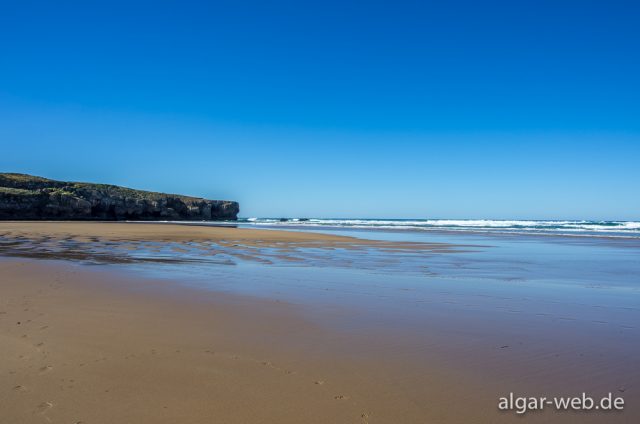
x=34, y=198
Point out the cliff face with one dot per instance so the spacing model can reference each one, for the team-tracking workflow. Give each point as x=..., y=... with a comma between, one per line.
x=33, y=198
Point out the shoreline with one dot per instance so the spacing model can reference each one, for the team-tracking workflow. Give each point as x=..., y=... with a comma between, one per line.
x=277, y=360
x=174, y=232
x=442, y=231
x=116, y=242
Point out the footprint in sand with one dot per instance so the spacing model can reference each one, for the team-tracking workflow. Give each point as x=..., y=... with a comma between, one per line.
x=20, y=388
x=43, y=408
x=341, y=397
x=319, y=382
x=45, y=369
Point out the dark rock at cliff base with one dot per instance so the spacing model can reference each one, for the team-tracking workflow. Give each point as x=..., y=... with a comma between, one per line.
x=34, y=198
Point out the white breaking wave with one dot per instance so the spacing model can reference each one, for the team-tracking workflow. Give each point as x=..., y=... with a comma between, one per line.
x=614, y=228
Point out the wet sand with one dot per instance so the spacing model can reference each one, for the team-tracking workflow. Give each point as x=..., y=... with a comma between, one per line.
x=99, y=347
x=160, y=232
x=97, y=344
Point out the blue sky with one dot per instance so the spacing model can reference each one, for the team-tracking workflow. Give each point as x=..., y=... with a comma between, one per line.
x=523, y=109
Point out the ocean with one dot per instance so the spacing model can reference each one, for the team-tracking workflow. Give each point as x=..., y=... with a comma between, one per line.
x=630, y=229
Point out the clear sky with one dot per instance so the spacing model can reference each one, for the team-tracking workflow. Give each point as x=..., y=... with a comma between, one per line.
x=478, y=109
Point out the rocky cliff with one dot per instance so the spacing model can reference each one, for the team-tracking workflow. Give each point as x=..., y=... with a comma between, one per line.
x=33, y=198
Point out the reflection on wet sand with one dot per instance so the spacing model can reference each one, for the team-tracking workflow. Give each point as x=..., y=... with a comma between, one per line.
x=134, y=243
x=432, y=321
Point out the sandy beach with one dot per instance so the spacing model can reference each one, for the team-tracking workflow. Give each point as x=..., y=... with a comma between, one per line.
x=335, y=212
x=94, y=347
x=160, y=232
x=101, y=347
x=87, y=344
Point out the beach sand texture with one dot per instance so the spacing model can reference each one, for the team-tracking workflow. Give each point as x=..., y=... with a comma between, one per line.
x=95, y=345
